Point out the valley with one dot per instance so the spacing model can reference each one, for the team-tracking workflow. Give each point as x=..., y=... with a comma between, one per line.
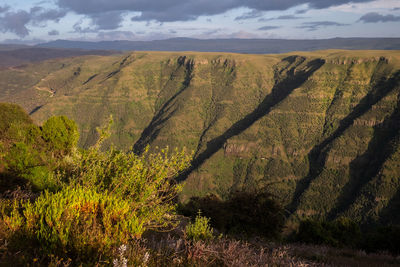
x=318, y=130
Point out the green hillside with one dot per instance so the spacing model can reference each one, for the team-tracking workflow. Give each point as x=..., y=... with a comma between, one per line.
x=319, y=130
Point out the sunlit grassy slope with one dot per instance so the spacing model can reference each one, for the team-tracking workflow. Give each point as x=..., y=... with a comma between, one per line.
x=320, y=130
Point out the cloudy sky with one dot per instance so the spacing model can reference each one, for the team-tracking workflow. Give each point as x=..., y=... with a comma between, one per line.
x=33, y=21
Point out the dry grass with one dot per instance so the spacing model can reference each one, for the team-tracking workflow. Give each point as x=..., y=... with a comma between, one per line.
x=177, y=251
x=167, y=250
x=220, y=252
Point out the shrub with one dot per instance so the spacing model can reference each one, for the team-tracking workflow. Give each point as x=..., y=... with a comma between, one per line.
x=200, y=229
x=78, y=220
x=29, y=134
x=95, y=201
x=61, y=134
x=26, y=162
x=341, y=232
x=146, y=180
x=211, y=206
x=108, y=199
x=21, y=158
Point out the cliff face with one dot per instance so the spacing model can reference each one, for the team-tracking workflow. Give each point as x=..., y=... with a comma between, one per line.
x=320, y=130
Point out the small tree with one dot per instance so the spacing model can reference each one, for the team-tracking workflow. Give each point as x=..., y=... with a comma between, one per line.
x=61, y=134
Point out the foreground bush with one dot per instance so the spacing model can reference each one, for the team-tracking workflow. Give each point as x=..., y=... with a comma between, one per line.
x=76, y=220
x=94, y=202
x=29, y=154
x=108, y=199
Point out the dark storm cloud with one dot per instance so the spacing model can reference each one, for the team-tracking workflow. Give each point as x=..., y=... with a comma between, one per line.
x=182, y=10
x=108, y=20
x=374, y=17
x=53, y=33
x=17, y=21
x=267, y=28
x=40, y=15
x=315, y=25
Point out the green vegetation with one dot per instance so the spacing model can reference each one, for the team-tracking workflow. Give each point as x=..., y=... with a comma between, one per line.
x=61, y=134
x=339, y=233
x=87, y=202
x=344, y=232
x=316, y=132
x=94, y=205
x=200, y=229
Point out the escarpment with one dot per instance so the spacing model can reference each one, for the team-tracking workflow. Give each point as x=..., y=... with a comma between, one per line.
x=319, y=130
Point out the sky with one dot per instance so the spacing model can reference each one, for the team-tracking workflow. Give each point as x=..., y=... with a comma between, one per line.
x=35, y=21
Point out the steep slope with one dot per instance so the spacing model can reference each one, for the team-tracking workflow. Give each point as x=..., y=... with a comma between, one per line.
x=318, y=130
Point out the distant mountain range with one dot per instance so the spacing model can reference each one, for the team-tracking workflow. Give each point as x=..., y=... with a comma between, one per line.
x=16, y=55
x=247, y=46
x=12, y=55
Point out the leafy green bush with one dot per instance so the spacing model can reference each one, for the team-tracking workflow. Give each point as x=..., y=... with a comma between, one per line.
x=146, y=180
x=78, y=220
x=61, y=134
x=21, y=158
x=200, y=229
x=91, y=201
x=108, y=199
x=26, y=162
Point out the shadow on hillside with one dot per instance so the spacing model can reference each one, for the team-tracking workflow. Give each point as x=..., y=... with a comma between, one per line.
x=35, y=109
x=366, y=166
x=151, y=132
x=294, y=77
x=318, y=155
x=222, y=76
x=390, y=214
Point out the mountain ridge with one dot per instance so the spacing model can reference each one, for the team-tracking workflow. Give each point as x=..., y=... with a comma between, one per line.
x=247, y=46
